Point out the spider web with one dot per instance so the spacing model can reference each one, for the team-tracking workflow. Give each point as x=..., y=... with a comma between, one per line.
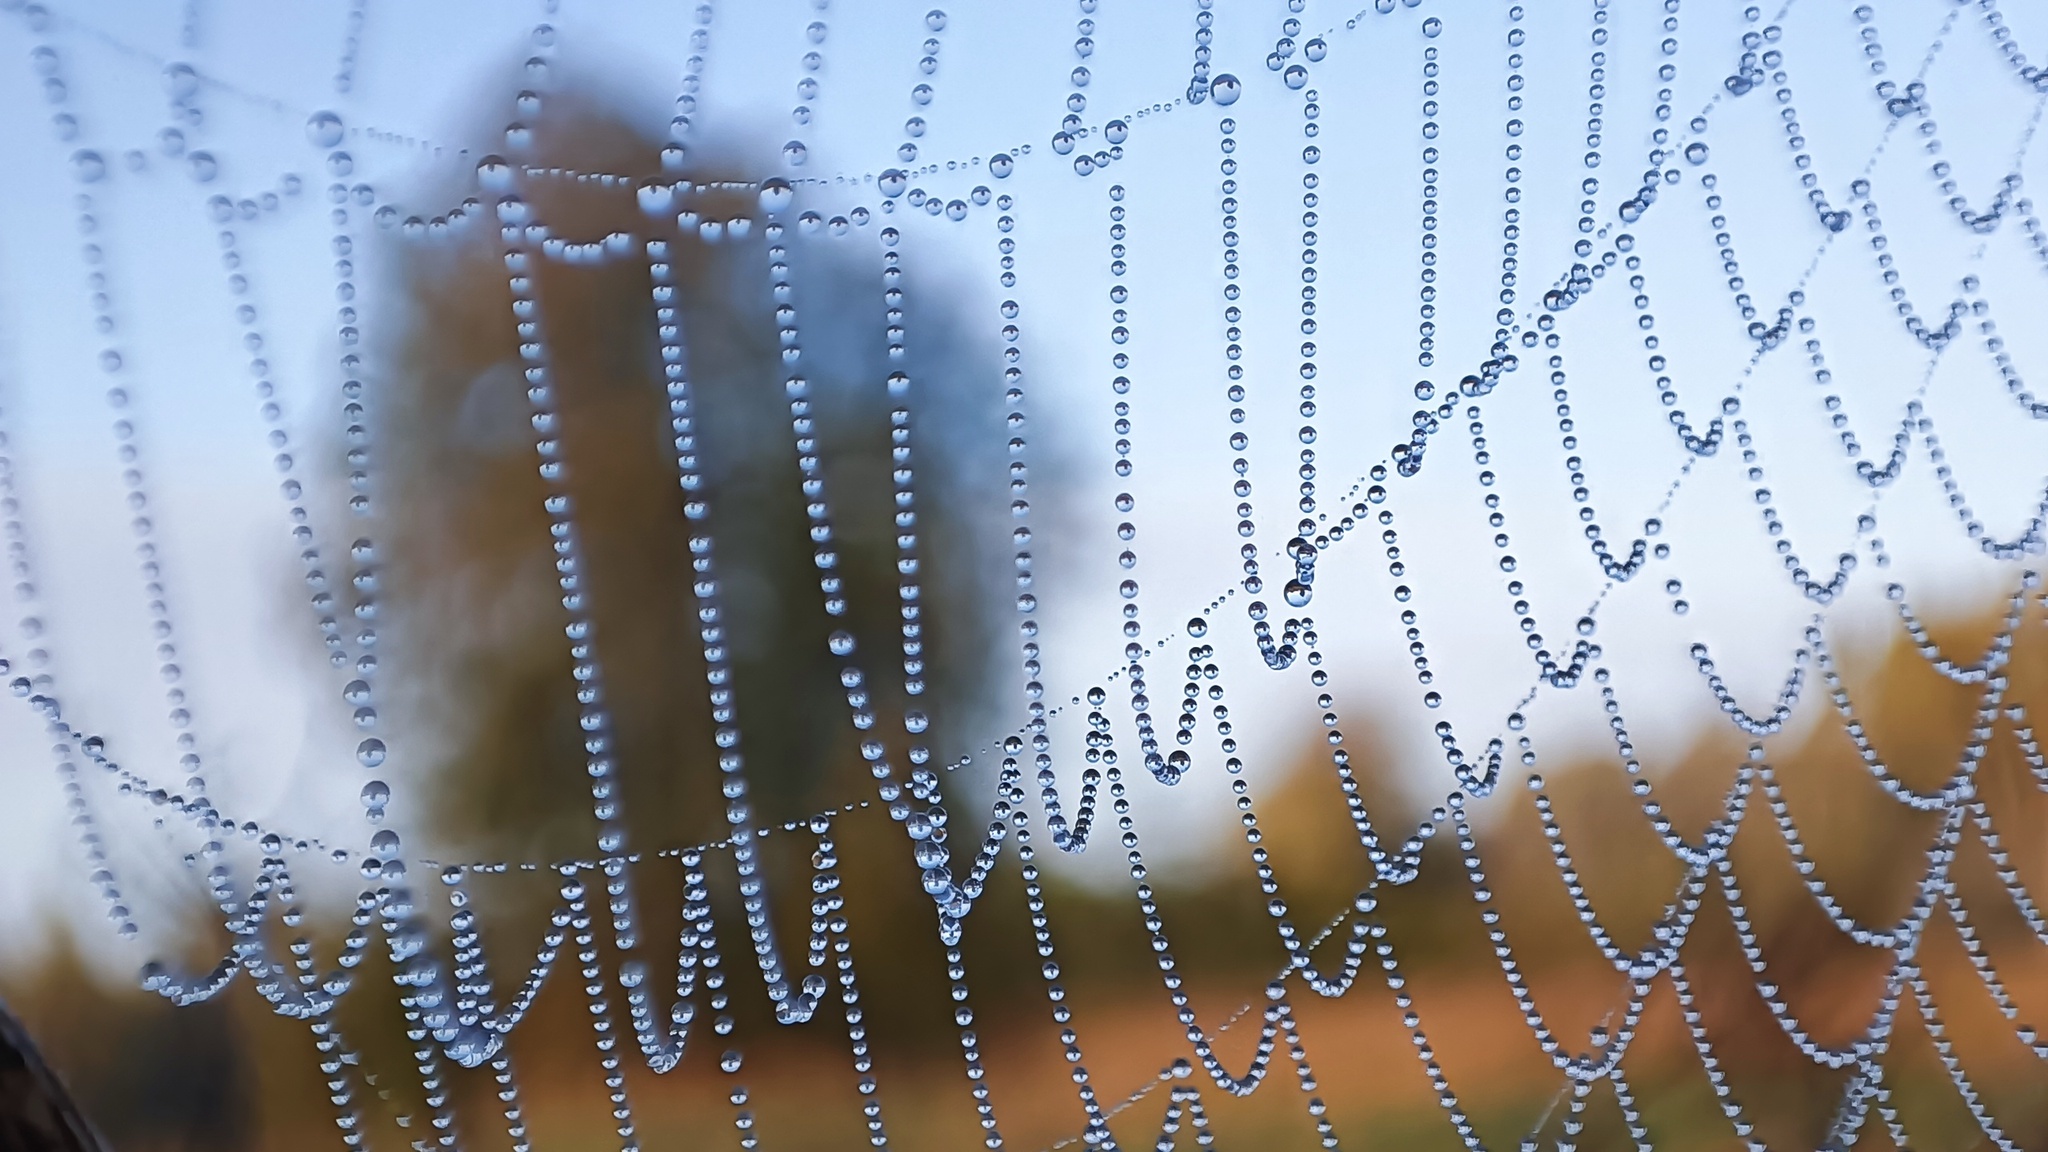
x=1306, y=450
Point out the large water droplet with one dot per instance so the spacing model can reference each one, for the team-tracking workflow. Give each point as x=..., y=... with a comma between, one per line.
x=1001, y=165
x=181, y=82
x=88, y=166
x=892, y=183
x=493, y=174
x=794, y=153
x=1696, y=152
x=776, y=195
x=323, y=128
x=1225, y=89
x=370, y=753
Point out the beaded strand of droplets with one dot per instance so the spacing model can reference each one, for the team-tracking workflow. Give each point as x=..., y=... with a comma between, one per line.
x=39, y=694
x=1071, y=128
x=1278, y=1023
x=795, y=152
x=1278, y=655
x=721, y=696
x=1165, y=770
x=921, y=94
x=682, y=124
x=953, y=899
x=1010, y=805
x=1299, y=590
x=517, y=231
x=1065, y=837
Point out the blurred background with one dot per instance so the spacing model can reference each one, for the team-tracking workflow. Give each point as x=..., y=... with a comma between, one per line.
x=391, y=365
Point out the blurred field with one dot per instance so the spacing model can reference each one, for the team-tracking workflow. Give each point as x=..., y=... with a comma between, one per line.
x=227, y=1077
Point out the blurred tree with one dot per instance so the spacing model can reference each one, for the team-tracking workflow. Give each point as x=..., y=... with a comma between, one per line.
x=477, y=636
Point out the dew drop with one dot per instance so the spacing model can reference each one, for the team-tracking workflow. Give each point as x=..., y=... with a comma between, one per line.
x=1696, y=152
x=370, y=752
x=1225, y=89
x=1000, y=165
x=181, y=82
x=323, y=129
x=776, y=195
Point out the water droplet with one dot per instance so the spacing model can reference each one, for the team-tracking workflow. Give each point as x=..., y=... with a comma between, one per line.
x=1432, y=27
x=892, y=183
x=323, y=129
x=1225, y=89
x=794, y=153
x=841, y=643
x=956, y=210
x=1001, y=165
x=1696, y=152
x=1116, y=131
x=204, y=166
x=493, y=174
x=375, y=794
x=1296, y=76
x=935, y=20
x=88, y=166
x=776, y=195
x=370, y=753
x=1315, y=50
x=181, y=82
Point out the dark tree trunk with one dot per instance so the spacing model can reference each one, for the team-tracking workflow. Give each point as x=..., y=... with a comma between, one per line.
x=36, y=1113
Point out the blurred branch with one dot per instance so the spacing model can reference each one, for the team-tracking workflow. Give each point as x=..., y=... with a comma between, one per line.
x=36, y=1113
